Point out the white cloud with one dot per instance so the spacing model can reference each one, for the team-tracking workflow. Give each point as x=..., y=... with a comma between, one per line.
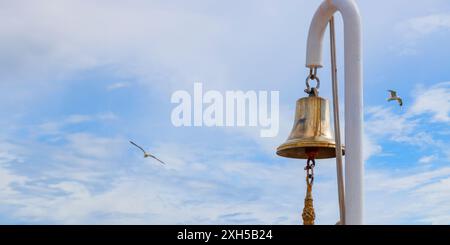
x=383, y=125
x=416, y=194
x=430, y=106
x=69, y=36
x=416, y=29
x=118, y=85
x=396, y=181
x=415, y=197
x=423, y=26
x=75, y=119
x=437, y=196
x=226, y=192
x=107, y=116
x=371, y=148
x=8, y=179
x=94, y=179
x=152, y=43
x=57, y=127
x=84, y=144
x=203, y=187
x=434, y=101
x=427, y=159
x=383, y=122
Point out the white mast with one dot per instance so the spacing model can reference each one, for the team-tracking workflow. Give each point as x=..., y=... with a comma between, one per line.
x=354, y=165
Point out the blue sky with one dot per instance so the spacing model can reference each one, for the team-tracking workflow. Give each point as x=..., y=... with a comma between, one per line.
x=81, y=78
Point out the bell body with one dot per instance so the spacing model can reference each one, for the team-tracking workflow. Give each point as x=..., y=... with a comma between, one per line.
x=311, y=131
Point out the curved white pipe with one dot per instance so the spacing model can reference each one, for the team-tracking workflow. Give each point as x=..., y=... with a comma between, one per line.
x=354, y=165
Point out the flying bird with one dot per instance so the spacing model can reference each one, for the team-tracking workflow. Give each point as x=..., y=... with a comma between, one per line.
x=146, y=154
x=395, y=97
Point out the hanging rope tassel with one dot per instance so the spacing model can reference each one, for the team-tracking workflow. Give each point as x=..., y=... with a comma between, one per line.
x=308, y=214
x=308, y=211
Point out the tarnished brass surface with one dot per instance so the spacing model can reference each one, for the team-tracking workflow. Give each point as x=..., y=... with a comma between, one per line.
x=311, y=129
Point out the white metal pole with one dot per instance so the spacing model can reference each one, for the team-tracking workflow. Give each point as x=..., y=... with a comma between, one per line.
x=354, y=165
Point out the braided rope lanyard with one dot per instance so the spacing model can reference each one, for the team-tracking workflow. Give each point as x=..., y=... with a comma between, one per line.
x=308, y=214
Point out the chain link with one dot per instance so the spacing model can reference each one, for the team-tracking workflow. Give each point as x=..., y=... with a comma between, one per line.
x=312, y=76
x=310, y=164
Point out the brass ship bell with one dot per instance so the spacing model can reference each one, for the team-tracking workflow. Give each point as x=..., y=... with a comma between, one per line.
x=311, y=135
x=311, y=138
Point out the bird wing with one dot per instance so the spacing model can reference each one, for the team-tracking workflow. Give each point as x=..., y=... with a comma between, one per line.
x=157, y=159
x=400, y=101
x=137, y=146
x=393, y=93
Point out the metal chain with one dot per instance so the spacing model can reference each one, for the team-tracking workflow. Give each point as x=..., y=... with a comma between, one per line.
x=308, y=214
x=310, y=164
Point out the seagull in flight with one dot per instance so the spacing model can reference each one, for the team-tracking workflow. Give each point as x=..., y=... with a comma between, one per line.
x=395, y=97
x=147, y=154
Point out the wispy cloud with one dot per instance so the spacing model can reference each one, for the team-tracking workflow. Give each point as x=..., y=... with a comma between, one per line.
x=417, y=29
x=415, y=194
x=92, y=176
x=415, y=197
x=148, y=193
x=433, y=101
x=221, y=192
x=427, y=159
x=431, y=106
x=118, y=85
x=420, y=27
x=56, y=127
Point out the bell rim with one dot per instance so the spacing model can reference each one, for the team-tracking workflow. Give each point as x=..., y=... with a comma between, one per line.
x=305, y=144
